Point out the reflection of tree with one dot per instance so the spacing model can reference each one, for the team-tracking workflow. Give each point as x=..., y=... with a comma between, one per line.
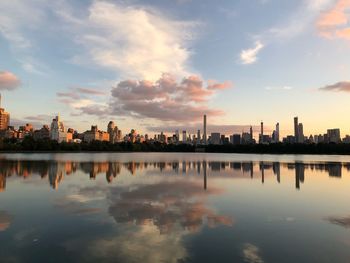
x=166, y=205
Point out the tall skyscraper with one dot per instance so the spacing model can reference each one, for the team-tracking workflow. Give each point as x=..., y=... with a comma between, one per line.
x=261, y=136
x=205, y=129
x=296, y=129
x=198, y=136
x=277, y=134
x=4, y=118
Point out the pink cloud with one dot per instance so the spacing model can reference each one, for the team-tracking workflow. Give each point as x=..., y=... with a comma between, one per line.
x=166, y=99
x=333, y=23
x=8, y=81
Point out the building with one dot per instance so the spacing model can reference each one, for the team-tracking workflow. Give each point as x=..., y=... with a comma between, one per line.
x=4, y=118
x=43, y=133
x=296, y=129
x=95, y=135
x=333, y=135
x=261, y=135
x=235, y=139
x=57, y=131
x=301, y=137
x=215, y=138
x=205, y=129
x=113, y=131
x=277, y=133
x=184, y=137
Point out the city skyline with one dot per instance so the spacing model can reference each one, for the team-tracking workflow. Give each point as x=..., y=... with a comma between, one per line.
x=83, y=59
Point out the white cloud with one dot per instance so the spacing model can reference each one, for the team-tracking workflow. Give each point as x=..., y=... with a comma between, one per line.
x=132, y=41
x=249, y=56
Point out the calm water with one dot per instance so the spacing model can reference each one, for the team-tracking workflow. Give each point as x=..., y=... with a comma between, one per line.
x=151, y=207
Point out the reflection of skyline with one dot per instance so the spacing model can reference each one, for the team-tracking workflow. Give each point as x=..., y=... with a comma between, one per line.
x=57, y=170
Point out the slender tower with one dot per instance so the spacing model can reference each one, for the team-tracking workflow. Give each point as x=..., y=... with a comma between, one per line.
x=205, y=129
x=251, y=133
x=261, y=132
x=296, y=129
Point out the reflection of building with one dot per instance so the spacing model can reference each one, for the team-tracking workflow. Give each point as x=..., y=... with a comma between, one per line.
x=2, y=182
x=277, y=171
x=299, y=174
x=56, y=173
x=334, y=169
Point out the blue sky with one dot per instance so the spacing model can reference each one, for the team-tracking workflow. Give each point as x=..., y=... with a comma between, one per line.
x=238, y=61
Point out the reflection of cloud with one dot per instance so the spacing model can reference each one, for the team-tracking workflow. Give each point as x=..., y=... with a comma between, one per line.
x=340, y=221
x=143, y=244
x=166, y=205
x=251, y=254
x=5, y=220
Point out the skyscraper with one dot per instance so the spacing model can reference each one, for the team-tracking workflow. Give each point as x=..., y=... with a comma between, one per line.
x=277, y=134
x=184, y=137
x=205, y=129
x=296, y=129
x=301, y=138
x=57, y=131
x=261, y=136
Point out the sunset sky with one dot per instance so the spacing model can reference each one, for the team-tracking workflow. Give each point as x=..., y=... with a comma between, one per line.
x=161, y=64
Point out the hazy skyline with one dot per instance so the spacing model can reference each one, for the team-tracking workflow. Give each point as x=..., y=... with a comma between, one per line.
x=148, y=64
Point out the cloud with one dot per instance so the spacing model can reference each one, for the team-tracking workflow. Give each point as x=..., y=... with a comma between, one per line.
x=133, y=41
x=279, y=88
x=165, y=99
x=339, y=86
x=334, y=23
x=8, y=81
x=249, y=56
x=251, y=254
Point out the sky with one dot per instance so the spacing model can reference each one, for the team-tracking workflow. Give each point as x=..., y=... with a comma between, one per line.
x=160, y=65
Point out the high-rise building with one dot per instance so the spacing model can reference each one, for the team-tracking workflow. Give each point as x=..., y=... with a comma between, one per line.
x=4, y=118
x=277, y=133
x=215, y=138
x=301, y=137
x=251, y=133
x=334, y=135
x=112, y=130
x=205, y=129
x=198, y=136
x=184, y=137
x=57, y=131
x=261, y=136
x=296, y=129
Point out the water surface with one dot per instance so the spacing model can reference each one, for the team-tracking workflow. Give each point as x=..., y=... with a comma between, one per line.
x=156, y=207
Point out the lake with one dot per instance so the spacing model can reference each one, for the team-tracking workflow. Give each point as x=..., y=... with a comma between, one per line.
x=174, y=207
